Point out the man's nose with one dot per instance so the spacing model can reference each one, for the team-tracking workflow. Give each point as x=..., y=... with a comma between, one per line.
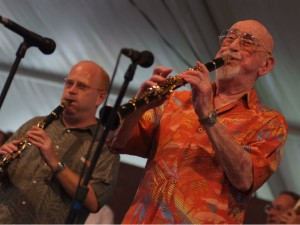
x=272, y=212
x=236, y=44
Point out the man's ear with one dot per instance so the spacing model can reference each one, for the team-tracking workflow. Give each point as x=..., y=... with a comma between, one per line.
x=101, y=97
x=266, y=66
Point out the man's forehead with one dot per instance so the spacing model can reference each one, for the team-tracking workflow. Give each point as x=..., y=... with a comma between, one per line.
x=250, y=27
x=284, y=200
x=244, y=28
x=80, y=72
x=81, y=76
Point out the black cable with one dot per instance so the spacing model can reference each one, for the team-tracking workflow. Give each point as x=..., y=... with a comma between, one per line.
x=159, y=33
x=180, y=30
x=198, y=27
x=113, y=77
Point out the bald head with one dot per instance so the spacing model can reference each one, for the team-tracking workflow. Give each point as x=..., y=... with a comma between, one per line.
x=258, y=30
x=90, y=68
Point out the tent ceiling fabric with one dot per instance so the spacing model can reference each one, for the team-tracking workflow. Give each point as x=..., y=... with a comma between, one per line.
x=177, y=32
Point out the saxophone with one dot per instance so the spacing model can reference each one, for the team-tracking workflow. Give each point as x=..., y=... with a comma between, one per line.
x=8, y=158
x=154, y=93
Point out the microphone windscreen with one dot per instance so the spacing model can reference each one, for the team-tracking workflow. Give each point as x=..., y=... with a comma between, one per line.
x=146, y=59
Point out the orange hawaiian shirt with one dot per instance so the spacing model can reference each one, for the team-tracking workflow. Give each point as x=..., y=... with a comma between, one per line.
x=183, y=181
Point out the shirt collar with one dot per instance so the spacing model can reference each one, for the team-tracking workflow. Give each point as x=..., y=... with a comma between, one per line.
x=249, y=99
x=91, y=128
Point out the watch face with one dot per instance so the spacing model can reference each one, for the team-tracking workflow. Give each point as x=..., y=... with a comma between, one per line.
x=213, y=116
x=211, y=119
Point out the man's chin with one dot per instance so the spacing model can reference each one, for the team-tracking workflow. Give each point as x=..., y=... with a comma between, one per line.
x=227, y=73
x=271, y=221
x=70, y=111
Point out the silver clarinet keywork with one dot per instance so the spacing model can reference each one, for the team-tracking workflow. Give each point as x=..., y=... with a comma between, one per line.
x=8, y=158
x=156, y=92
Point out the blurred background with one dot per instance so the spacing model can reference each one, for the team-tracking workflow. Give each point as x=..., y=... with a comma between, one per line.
x=177, y=32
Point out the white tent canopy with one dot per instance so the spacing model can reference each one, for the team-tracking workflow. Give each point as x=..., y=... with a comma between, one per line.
x=177, y=32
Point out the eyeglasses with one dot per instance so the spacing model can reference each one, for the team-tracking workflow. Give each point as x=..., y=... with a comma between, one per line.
x=80, y=85
x=268, y=207
x=248, y=41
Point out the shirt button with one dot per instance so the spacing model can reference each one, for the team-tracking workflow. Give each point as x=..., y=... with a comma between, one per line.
x=173, y=181
x=186, y=154
x=23, y=203
x=34, y=181
x=68, y=130
x=163, y=208
x=200, y=129
x=56, y=146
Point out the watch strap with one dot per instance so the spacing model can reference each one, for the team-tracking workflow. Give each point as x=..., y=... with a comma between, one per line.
x=211, y=119
x=59, y=169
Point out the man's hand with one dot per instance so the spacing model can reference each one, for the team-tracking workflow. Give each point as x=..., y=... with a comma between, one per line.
x=43, y=142
x=290, y=217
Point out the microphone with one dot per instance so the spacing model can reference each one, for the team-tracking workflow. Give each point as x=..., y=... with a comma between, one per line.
x=46, y=45
x=144, y=59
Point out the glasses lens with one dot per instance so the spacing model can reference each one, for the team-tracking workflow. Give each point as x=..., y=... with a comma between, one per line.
x=248, y=41
x=267, y=208
x=81, y=86
x=222, y=36
x=69, y=83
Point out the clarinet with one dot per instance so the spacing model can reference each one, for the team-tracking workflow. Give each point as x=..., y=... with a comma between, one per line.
x=154, y=93
x=8, y=158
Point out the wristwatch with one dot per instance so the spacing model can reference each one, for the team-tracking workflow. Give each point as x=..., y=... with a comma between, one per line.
x=59, y=169
x=211, y=119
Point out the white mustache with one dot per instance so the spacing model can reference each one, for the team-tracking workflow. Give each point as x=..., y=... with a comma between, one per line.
x=232, y=55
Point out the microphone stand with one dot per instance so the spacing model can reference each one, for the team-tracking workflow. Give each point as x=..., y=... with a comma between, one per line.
x=82, y=189
x=20, y=54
